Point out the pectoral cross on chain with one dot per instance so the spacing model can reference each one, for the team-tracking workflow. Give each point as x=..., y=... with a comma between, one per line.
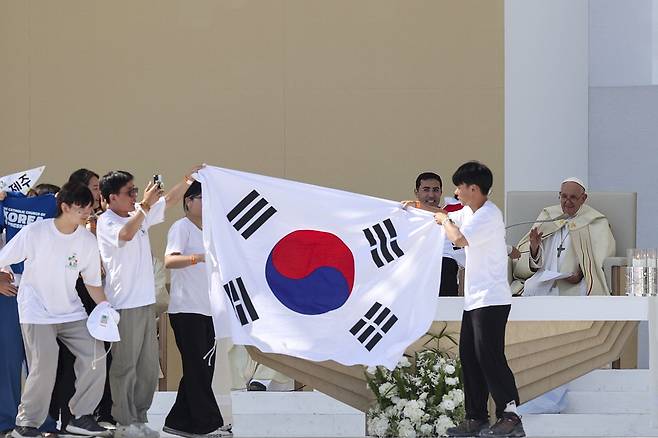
x=559, y=250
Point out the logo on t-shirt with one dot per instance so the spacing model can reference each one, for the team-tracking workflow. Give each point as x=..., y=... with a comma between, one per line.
x=72, y=261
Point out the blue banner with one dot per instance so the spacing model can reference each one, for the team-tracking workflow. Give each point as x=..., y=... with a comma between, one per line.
x=19, y=211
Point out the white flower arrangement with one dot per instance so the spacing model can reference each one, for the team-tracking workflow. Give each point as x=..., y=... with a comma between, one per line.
x=419, y=398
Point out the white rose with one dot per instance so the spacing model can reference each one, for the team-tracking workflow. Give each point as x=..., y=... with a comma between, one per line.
x=449, y=369
x=404, y=362
x=391, y=412
x=448, y=404
x=385, y=389
x=457, y=395
x=442, y=424
x=406, y=429
x=413, y=411
x=426, y=429
x=452, y=381
x=378, y=426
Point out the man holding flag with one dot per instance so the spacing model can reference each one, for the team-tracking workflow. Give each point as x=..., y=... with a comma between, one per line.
x=480, y=229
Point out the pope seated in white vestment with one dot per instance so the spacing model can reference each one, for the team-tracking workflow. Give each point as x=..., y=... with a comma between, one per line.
x=565, y=256
x=572, y=250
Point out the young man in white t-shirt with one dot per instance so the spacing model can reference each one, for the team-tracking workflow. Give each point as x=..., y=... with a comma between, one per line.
x=57, y=251
x=480, y=229
x=125, y=248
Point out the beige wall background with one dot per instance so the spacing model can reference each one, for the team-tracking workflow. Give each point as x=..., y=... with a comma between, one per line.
x=359, y=95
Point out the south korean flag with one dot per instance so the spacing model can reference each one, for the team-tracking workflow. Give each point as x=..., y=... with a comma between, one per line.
x=317, y=273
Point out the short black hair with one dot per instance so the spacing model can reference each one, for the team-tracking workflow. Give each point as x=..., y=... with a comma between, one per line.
x=112, y=182
x=83, y=176
x=73, y=193
x=428, y=175
x=474, y=172
x=193, y=190
x=45, y=189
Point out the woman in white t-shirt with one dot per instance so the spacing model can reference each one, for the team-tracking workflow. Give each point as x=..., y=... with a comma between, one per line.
x=195, y=412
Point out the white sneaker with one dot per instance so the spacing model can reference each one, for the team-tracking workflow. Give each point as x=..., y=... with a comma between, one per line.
x=129, y=431
x=147, y=431
x=221, y=432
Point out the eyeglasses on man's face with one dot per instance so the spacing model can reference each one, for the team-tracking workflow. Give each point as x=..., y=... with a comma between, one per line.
x=131, y=192
x=571, y=198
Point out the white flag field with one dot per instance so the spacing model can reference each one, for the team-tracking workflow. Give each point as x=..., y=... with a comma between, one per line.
x=317, y=273
x=21, y=181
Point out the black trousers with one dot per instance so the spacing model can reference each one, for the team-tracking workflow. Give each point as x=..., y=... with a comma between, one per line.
x=195, y=409
x=482, y=353
x=65, y=379
x=449, y=269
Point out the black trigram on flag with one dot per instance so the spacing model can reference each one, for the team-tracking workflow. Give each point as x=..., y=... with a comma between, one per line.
x=370, y=329
x=383, y=244
x=249, y=212
x=240, y=301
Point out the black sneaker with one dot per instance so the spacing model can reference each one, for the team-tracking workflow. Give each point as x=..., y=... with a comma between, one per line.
x=218, y=433
x=468, y=427
x=508, y=425
x=86, y=425
x=26, y=432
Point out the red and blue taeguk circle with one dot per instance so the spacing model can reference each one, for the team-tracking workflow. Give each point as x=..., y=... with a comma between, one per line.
x=310, y=272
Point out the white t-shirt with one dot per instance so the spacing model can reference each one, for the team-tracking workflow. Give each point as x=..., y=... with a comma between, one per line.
x=189, y=285
x=485, y=279
x=53, y=262
x=129, y=280
x=455, y=253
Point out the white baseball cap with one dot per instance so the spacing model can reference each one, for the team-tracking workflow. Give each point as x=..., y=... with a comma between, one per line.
x=103, y=323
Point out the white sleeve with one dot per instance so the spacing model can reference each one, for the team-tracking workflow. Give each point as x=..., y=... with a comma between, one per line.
x=91, y=271
x=537, y=262
x=16, y=250
x=177, y=239
x=107, y=233
x=156, y=214
x=481, y=228
x=457, y=216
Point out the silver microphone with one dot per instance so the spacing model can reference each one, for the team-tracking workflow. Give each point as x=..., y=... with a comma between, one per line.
x=560, y=217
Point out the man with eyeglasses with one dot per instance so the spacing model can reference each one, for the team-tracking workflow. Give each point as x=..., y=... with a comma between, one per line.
x=125, y=248
x=574, y=245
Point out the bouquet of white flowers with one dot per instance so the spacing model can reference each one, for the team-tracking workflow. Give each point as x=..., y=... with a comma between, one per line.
x=420, y=399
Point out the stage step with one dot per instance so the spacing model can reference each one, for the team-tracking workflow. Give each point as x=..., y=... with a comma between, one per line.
x=294, y=414
x=612, y=380
x=588, y=425
x=276, y=414
x=602, y=403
